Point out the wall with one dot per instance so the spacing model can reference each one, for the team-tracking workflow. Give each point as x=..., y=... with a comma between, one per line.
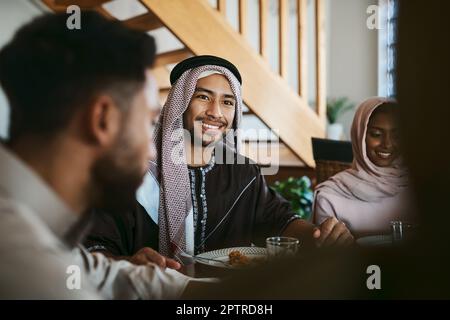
x=352, y=53
x=13, y=14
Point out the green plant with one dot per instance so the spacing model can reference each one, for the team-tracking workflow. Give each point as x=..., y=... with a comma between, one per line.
x=298, y=191
x=336, y=107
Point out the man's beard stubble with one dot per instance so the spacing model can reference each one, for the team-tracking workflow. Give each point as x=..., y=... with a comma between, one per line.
x=116, y=180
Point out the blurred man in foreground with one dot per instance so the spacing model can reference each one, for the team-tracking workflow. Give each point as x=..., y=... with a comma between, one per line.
x=82, y=105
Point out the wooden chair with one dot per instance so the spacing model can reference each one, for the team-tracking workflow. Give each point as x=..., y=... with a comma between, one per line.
x=331, y=157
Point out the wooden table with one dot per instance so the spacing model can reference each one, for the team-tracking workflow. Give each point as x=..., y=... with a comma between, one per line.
x=199, y=270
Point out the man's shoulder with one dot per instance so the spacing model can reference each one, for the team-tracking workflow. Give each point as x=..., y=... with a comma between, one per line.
x=13, y=215
x=34, y=262
x=19, y=228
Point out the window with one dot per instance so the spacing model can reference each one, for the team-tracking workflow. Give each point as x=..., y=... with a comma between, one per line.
x=387, y=47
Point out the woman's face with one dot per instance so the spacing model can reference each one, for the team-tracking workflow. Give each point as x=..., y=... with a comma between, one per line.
x=382, y=139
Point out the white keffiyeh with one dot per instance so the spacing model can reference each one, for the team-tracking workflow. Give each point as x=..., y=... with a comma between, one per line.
x=175, y=196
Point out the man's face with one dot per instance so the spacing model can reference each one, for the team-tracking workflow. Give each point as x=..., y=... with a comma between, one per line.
x=211, y=110
x=120, y=171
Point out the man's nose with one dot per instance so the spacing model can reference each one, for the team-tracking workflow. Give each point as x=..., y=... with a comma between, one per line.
x=214, y=109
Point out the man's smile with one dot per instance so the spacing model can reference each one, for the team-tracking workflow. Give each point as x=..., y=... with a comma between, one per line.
x=212, y=127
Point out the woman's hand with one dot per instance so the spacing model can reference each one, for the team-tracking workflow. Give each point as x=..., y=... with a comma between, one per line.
x=332, y=232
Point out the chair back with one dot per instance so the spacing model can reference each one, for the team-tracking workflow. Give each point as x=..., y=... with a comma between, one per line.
x=331, y=157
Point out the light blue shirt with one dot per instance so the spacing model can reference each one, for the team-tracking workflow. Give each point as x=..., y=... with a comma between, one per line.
x=148, y=196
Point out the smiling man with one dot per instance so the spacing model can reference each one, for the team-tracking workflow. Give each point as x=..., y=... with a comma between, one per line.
x=209, y=195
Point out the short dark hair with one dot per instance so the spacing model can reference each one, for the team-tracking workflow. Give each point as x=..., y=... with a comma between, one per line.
x=48, y=71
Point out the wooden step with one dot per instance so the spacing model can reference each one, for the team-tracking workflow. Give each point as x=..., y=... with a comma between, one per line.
x=85, y=4
x=175, y=56
x=60, y=6
x=162, y=76
x=144, y=22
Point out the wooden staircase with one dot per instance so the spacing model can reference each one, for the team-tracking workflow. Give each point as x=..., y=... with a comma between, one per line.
x=204, y=30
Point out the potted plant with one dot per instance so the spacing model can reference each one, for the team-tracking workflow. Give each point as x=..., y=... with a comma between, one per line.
x=298, y=191
x=335, y=109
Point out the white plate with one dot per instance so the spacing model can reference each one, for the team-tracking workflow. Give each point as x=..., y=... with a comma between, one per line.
x=222, y=255
x=375, y=241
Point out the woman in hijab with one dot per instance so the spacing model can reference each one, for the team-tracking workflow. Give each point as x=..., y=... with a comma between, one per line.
x=374, y=191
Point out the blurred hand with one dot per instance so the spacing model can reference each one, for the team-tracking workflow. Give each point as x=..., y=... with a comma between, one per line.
x=148, y=255
x=332, y=232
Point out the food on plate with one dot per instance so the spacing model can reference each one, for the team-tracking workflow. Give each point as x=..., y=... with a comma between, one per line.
x=238, y=259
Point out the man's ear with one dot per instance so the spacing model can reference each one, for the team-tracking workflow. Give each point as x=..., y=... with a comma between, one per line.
x=103, y=120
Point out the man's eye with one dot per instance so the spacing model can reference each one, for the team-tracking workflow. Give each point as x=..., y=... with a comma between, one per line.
x=229, y=103
x=203, y=97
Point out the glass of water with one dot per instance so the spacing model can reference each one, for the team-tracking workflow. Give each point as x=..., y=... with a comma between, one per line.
x=400, y=231
x=281, y=246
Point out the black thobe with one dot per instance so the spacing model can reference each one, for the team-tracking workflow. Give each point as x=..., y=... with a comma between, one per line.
x=241, y=210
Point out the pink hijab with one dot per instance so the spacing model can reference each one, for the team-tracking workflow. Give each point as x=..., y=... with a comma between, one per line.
x=365, y=181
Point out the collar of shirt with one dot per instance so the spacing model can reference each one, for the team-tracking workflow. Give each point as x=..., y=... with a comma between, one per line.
x=207, y=167
x=19, y=183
